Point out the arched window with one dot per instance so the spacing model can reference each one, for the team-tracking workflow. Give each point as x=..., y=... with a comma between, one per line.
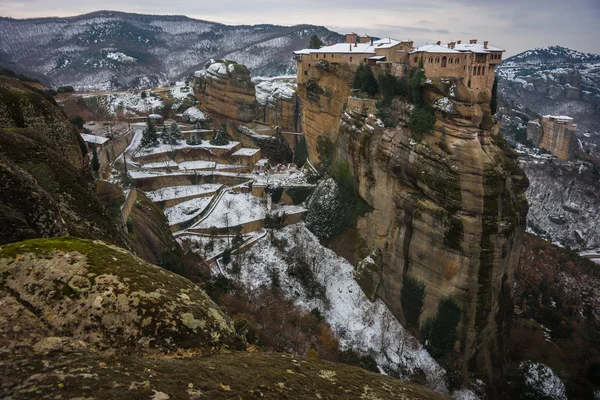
x=350, y=59
x=483, y=71
x=444, y=61
x=457, y=60
x=415, y=60
x=451, y=60
x=437, y=60
x=430, y=60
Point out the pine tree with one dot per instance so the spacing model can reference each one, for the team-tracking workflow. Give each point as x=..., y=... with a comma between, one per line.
x=494, y=102
x=95, y=162
x=164, y=136
x=175, y=133
x=315, y=42
x=220, y=137
x=149, y=136
x=365, y=81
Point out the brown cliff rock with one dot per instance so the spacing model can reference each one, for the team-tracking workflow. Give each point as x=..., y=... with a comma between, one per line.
x=448, y=211
x=224, y=89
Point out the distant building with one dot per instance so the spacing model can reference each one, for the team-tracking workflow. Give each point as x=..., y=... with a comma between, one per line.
x=474, y=62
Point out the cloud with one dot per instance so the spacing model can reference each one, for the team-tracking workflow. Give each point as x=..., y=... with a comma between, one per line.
x=516, y=25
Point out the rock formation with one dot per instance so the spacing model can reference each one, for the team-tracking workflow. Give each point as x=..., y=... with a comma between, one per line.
x=279, y=103
x=224, y=89
x=555, y=134
x=47, y=187
x=83, y=319
x=448, y=211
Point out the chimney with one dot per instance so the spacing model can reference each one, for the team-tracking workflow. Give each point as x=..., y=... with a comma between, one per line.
x=485, y=44
x=438, y=42
x=371, y=41
x=355, y=44
x=459, y=42
x=473, y=41
x=451, y=45
x=350, y=46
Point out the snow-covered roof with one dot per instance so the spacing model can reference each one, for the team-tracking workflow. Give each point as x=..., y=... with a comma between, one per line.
x=155, y=116
x=363, y=48
x=246, y=152
x=377, y=58
x=435, y=48
x=94, y=139
x=558, y=117
x=475, y=47
x=262, y=162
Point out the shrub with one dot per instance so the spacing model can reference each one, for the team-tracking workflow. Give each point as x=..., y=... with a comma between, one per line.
x=143, y=95
x=440, y=331
x=415, y=88
x=95, y=161
x=412, y=296
x=237, y=240
x=454, y=231
x=365, y=81
x=422, y=120
x=352, y=357
x=77, y=120
x=301, y=153
x=391, y=86
x=305, y=276
x=226, y=257
x=65, y=89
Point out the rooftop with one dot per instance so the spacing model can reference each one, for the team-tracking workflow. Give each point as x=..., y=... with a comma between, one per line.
x=93, y=139
x=364, y=48
x=435, y=48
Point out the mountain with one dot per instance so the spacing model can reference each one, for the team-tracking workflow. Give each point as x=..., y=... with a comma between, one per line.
x=555, y=80
x=114, y=50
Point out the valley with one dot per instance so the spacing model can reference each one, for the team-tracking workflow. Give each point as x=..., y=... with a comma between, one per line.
x=207, y=197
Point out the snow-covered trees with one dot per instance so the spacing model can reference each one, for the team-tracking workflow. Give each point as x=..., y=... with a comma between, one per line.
x=172, y=134
x=220, y=137
x=149, y=136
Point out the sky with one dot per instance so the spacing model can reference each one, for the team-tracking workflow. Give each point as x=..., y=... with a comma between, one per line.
x=515, y=25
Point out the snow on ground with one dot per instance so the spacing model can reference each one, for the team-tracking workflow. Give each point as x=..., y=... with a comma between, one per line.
x=176, y=192
x=164, y=147
x=207, y=246
x=181, y=92
x=269, y=90
x=200, y=164
x=234, y=209
x=362, y=325
x=542, y=380
x=289, y=177
x=118, y=102
x=161, y=164
x=187, y=210
x=193, y=114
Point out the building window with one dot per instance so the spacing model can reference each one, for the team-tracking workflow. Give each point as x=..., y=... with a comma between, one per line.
x=305, y=72
x=317, y=56
x=444, y=61
x=308, y=65
x=431, y=60
x=483, y=71
x=365, y=60
x=415, y=60
x=332, y=56
x=457, y=60
x=350, y=59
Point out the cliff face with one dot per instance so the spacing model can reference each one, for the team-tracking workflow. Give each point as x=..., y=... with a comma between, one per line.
x=448, y=211
x=555, y=135
x=224, y=89
x=47, y=188
x=279, y=103
x=323, y=98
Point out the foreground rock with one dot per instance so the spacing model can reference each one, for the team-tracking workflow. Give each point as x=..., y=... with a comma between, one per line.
x=72, y=293
x=83, y=319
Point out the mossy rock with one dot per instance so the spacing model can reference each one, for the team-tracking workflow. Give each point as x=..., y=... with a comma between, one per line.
x=225, y=376
x=109, y=299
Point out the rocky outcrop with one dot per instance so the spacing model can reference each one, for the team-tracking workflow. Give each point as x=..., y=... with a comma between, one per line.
x=24, y=107
x=47, y=187
x=323, y=98
x=224, y=89
x=82, y=319
x=279, y=103
x=448, y=211
x=555, y=134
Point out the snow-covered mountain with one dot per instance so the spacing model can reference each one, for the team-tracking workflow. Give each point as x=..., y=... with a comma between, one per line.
x=555, y=80
x=113, y=50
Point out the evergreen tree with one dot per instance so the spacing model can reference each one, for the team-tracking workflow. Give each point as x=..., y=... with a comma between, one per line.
x=95, y=162
x=494, y=102
x=220, y=137
x=415, y=90
x=365, y=81
x=164, y=136
x=149, y=136
x=315, y=42
x=77, y=120
x=175, y=133
x=301, y=153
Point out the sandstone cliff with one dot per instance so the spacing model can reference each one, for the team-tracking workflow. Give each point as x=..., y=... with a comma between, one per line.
x=225, y=90
x=47, y=188
x=554, y=134
x=83, y=319
x=448, y=215
x=279, y=103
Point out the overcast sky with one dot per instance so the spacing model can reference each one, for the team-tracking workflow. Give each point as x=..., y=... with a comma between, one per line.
x=515, y=25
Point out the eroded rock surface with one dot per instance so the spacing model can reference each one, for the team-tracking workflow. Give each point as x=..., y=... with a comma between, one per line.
x=74, y=292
